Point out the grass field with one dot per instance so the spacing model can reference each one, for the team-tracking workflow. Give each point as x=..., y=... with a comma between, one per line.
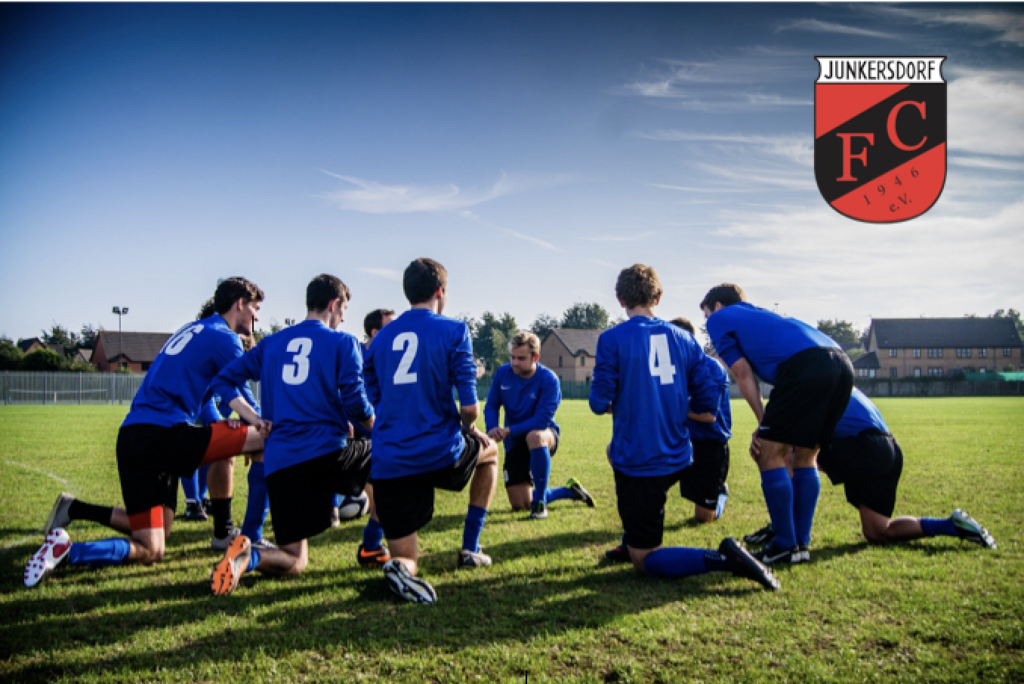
x=549, y=609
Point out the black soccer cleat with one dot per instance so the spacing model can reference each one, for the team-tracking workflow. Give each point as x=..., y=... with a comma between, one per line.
x=618, y=554
x=772, y=555
x=763, y=536
x=742, y=563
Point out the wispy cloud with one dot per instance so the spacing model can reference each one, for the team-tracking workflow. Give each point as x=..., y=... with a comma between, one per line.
x=986, y=112
x=371, y=197
x=636, y=237
x=529, y=238
x=987, y=163
x=1006, y=27
x=818, y=26
x=388, y=273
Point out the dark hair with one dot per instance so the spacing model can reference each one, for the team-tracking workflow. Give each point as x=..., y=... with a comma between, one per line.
x=638, y=285
x=422, y=279
x=725, y=294
x=684, y=323
x=324, y=289
x=207, y=310
x=230, y=290
x=375, y=320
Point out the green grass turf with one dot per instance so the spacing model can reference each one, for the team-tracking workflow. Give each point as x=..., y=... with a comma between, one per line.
x=549, y=609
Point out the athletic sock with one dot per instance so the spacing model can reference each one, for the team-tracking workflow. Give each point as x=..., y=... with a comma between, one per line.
x=257, y=503
x=222, y=523
x=79, y=510
x=715, y=562
x=540, y=468
x=938, y=527
x=100, y=554
x=254, y=559
x=190, y=487
x=338, y=499
x=778, y=497
x=475, y=517
x=558, y=494
x=806, y=488
x=675, y=561
x=204, y=491
x=373, y=535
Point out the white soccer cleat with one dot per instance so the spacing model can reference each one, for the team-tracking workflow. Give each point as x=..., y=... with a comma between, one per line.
x=402, y=583
x=51, y=554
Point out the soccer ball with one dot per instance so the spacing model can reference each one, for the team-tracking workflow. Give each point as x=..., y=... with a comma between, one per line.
x=353, y=507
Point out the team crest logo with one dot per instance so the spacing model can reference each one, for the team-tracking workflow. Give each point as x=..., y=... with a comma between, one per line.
x=880, y=135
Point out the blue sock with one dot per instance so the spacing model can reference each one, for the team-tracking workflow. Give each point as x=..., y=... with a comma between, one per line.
x=254, y=560
x=675, y=561
x=190, y=487
x=474, y=526
x=256, y=506
x=806, y=488
x=373, y=535
x=204, y=493
x=715, y=562
x=100, y=554
x=540, y=468
x=338, y=498
x=778, y=496
x=558, y=494
x=938, y=527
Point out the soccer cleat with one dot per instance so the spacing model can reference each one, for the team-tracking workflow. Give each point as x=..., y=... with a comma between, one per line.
x=538, y=511
x=59, y=514
x=373, y=559
x=51, y=554
x=770, y=555
x=335, y=518
x=403, y=584
x=742, y=563
x=763, y=536
x=228, y=572
x=473, y=559
x=619, y=554
x=194, y=512
x=579, y=493
x=263, y=543
x=222, y=543
x=969, y=529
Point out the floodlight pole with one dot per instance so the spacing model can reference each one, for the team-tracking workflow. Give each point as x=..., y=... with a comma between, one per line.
x=120, y=311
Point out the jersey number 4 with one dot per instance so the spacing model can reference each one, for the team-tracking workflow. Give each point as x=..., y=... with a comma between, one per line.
x=409, y=343
x=295, y=373
x=660, y=360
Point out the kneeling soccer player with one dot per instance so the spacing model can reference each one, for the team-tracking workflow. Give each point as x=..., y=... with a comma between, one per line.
x=312, y=383
x=865, y=458
x=159, y=442
x=650, y=375
x=530, y=394
x=421, y=440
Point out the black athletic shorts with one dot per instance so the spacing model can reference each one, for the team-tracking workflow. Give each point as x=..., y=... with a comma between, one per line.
x=517, y=460
x=870, y=466
x=406, y=504
x=641, y=502
x=302, y=495
x=812, y=389
x=704, y=480
x=151, y=458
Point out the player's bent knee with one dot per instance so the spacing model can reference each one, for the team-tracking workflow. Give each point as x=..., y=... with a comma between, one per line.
x=704, y=515
x=535, y=439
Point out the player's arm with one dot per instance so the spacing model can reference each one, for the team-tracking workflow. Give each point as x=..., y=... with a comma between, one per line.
x=231, y=379
x=209, y=413
x=701, y=417
x=606, y=376
x=351, y=385
x=492, y=409
x=463, y=377
x=746, y=381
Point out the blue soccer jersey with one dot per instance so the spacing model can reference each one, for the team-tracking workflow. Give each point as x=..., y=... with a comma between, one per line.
x=860, y=415
x=651, y=374
x=721, y=429
x=530, y=404
x=311, y=383
x=177, y=384
x=765, y=339
x=413, y=366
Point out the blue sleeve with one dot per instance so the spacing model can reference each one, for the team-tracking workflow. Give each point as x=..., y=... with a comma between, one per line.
x=493, y=406
x=370, y=378
x=549, y=396
x=463, y=369
x=232, y=378
x=723, y=340
x=606, y=375
x=350, y=380
x=702, y=386
x=209, y=413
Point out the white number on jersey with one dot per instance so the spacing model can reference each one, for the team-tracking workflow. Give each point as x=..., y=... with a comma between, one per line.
x=661, y=360
x=181, y=338
x=410, y=343
x=296, y=373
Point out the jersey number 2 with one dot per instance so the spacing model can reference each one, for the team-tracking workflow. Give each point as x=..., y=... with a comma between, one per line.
x=661, y=360
x=410, y=343
x=295, y=373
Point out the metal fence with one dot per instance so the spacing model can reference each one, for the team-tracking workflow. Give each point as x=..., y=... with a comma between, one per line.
x=68, y=388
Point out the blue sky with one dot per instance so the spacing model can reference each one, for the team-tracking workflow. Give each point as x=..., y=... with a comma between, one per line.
x=535, y=150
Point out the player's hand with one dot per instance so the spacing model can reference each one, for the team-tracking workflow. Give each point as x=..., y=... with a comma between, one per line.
x=495, y=434
x=351, y=431
x=234, y=424
x=755, y=446
x=264, y=427
x=484, y=439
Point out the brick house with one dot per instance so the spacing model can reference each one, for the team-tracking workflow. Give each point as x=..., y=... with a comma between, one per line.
x=939, y=347
x=137, y=350
x=31, y=344
x=570, y=353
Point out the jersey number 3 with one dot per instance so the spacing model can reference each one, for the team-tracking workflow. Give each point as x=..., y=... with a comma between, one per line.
x=295, y=373
x=410, y=343
x=660, y=360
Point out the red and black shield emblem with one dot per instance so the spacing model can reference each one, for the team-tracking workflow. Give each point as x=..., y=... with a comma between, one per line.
x=880, y=135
